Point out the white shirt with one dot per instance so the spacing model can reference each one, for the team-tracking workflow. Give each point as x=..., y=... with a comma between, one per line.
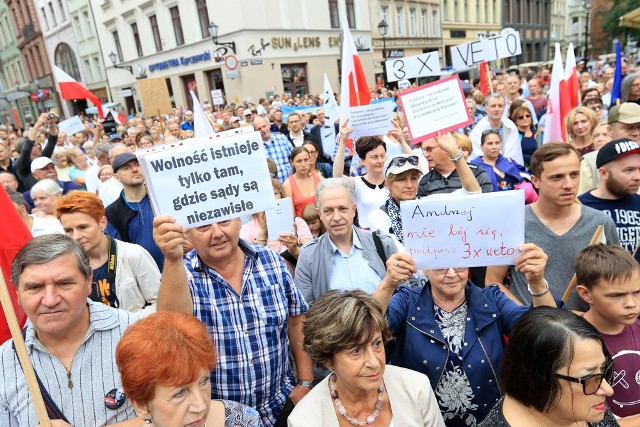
x=110, y=191
x=42, y=226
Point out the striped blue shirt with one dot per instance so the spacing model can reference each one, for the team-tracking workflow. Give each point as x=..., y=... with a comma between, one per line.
x=279, y=148
x=249, y=330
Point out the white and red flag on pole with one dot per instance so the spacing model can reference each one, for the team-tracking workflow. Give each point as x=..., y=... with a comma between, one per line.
x=119, y=118
x=70, y=89
x=553, y=126
x=354, y=89
x=571, y=79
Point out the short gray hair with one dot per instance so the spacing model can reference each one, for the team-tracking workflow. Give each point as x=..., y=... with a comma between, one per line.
x=112, y=146
x=494, y=95
x=47, y=186
x=625, y=86
x=102, y=149
x=331, y=183
x=42, y=249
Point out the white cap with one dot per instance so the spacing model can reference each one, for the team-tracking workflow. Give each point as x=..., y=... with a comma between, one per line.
x=39, y=163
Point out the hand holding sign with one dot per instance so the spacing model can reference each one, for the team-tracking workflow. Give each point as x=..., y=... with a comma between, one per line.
x=448, y=143
x=532, y=263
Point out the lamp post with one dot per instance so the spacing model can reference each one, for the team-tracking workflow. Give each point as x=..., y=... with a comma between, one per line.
x=587, y=6
x=383, y=27
x=114, y=57
x=213, y=31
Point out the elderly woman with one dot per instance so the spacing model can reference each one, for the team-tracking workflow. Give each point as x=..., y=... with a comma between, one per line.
x=125, y=276
x=580, y=123
x=80, y=164
x=44, y=194
x=61, y=163
x=589, y=175
x=175, y=394
x=453, y=331
x=630, y=88
x=345, y=331
x=505, y=173
x=556, y=371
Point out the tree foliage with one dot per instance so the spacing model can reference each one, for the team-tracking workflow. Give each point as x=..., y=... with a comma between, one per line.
x=611, y=21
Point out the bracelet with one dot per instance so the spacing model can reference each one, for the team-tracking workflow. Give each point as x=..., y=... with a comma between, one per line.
x=543, y=293
x=305, y=384
x=457, y=158
x=257, y=239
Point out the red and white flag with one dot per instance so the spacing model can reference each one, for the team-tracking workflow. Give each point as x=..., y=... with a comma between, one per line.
x=354, y=89
x=70, y=89
x=119, y=118
x=553, y=126
x=571, y=79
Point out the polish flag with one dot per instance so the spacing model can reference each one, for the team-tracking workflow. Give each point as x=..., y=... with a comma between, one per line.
x=71, y=89
x=553, y=128
x=354, y=90
x=119, y=118
x=571, y=78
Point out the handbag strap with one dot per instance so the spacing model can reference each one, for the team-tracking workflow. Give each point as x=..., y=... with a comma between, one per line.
x=379, y=248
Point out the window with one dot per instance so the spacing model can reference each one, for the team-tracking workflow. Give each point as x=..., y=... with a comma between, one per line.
x=61, y=10
x=412, y=22
x=478, y=19
x=136, y=39
x=456, y=10
x=435, y=23
x=98, y=67
x=445, y=10
x=53, y=15
x=334, y=16
x=177, y=25
x=400, y=21
x=423, y=22
x=44, y=19
x=87, y=70
x=384, y=14
x=351, y=13
x=203, y=17
x=85, y=18
x=156, y=32
x=466, y=11
x=116, y=40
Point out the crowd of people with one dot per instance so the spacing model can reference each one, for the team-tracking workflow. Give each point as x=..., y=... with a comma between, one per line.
x=136, y=321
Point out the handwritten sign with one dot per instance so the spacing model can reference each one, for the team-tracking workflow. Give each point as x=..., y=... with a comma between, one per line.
x=71, y=126
x=208, y=179
x=435, y=107
x=216, y=96
x=423, y=65
x=464, y=231
x=486, y=49
x=154, y=95
x=372, y=119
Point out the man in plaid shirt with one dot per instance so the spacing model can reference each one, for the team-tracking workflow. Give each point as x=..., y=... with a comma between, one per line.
x=246, y=297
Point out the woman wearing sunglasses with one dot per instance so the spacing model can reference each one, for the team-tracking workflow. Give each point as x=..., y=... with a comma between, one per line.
x=556, y=371
x=521, y=116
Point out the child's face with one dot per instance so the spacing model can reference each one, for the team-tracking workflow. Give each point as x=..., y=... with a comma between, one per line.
x=314, y=225
x=617, y=301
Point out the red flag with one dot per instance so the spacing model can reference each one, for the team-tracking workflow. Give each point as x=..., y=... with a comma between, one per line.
x=119, y=118
x=484, y=67
x=571, y=76
x=71, y=89
x=13, y=236
x=553, y=130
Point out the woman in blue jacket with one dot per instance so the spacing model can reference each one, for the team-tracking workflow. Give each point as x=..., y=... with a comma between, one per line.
x=452, y=331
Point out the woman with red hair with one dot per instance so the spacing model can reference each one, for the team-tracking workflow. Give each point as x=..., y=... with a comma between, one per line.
x=165, y=362
x=125, y=276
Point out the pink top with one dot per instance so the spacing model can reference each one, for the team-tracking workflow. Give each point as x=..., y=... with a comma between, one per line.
x=299, y=199
x=250, y=230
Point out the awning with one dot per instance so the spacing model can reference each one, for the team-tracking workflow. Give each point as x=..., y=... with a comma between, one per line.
x=631, y=19
x=94, y=110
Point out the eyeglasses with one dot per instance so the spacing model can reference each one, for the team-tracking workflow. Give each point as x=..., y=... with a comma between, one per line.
x=443, y=271
x=526, y=116
x=490, y=131
x=591, y=383
x=401, y=161
x=596, y=107
x=428, y=150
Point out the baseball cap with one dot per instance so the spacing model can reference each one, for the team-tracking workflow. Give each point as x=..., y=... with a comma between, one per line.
x=39, y=163
x=399, y=163
x=616, y=149
x=115, y=137
x=627, y=113
x=122, y=160
x=248, y=112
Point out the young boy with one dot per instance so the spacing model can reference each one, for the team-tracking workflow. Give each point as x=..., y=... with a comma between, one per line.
x=609, y=281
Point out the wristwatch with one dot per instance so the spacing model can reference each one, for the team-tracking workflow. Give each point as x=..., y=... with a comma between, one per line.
x=305, y=384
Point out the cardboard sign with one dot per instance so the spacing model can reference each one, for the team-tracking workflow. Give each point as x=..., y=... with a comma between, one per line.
x=423, y=65
x=216, y=97
x=208, y=179
x=154, y=96
x=486, y=49
x=464, y=231
x=71, y=126
x=370, y=120
x=435, y=107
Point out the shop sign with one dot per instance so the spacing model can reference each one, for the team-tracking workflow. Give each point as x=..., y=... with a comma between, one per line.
x=179, y=62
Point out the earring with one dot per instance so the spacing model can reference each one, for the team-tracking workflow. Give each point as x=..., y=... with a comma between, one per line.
x=147, y=421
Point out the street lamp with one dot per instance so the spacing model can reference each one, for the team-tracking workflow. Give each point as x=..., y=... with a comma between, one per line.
x=114, y=58
x=587, y=5
x=383, y=27
x=213, y=31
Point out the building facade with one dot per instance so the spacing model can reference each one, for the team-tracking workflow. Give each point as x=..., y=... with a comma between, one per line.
x=558, y=24
x=532, y=19
x=278, y=46
x=578, y=26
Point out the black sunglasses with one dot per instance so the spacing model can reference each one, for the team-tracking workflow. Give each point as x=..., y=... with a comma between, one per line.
x=526, y=116
x=490, y=131
x=401, y=161
x=596, y=107
x=591, y=383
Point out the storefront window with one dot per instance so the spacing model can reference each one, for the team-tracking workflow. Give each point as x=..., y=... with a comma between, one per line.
x=294, y=79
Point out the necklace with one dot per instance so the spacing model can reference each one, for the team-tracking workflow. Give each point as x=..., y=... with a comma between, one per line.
x=342, y=410
x=68, y=369
x=546, y=223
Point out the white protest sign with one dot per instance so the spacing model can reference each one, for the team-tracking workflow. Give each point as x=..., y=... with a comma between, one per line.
x=487, y=49
x=372, y=119
x=216, y=97
x=435, y=107
x=426, y=64
x=71, y=126
x=464, y=231
x=208, y=179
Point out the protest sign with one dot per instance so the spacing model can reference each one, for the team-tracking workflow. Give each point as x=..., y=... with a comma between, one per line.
x=371, y=119
x=486, y=49
x=435, y=107
x=216, y=97
x=208, y=179
x=154, y=96
x=464, y=231
x=423, y=65
x=71, y=126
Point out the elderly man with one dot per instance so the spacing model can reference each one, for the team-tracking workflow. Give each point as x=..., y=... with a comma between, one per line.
x=246, y=297
x=67, y=335
x=618, y=163
x=345, y=257
x=277, y=146
x=495, y=107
